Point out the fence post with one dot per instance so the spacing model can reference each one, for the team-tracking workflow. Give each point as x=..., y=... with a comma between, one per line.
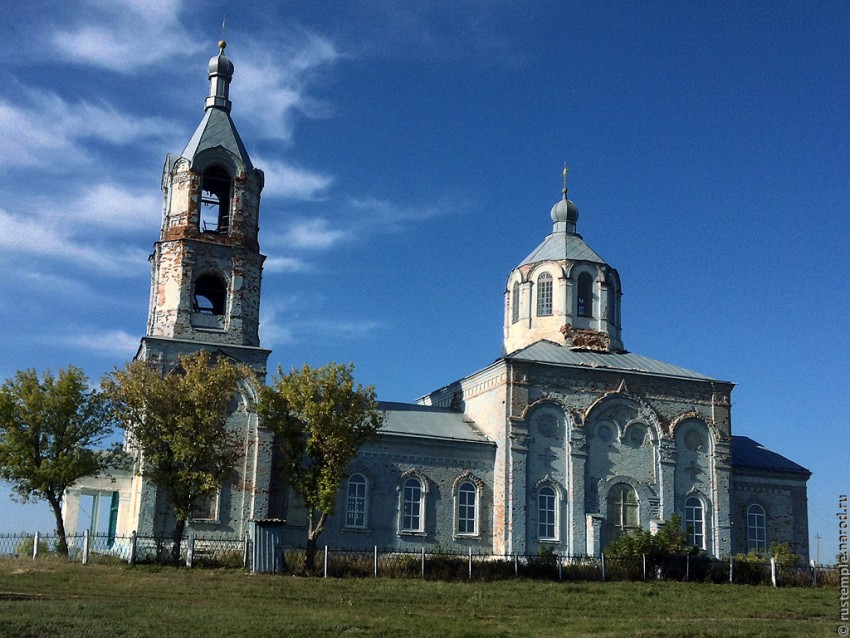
x=814, y=574
x=132, y=558
x=85, y=547
x=190, y=550
x=423, y=562
x=559, y=558
x=376, y=561
x=773, y=570
x=731, y=571
x=325, y=573
x=687, y=568
x=470, y=563
x=516, y=565
x=643, y=558
x=603, y=566
x=35, y=540
x=245, y=552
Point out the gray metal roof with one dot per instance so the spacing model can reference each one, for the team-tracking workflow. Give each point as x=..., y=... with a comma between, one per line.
x=549, y=352
x=217, y=129
x=750, y=454
x=426, y=421
x=563, y=245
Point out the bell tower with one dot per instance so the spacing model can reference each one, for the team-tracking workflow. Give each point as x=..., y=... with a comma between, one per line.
x=206, y=268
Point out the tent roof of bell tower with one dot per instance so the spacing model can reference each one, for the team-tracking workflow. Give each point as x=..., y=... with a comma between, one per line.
x=216, y=128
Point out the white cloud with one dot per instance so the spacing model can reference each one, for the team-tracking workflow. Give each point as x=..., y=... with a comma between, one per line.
x=272, y=84
x=274, y=331
x=46, y=238
x=126, y=35
x=114, y=206
x=290, y=182
x=46, y=130
x=312, y=234
x=388, y=216
x=285, y=265
x=114, y=342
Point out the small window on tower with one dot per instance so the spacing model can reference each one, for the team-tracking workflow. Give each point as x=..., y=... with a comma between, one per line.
x=215, y=201
x=210, y=293
x=585, y=295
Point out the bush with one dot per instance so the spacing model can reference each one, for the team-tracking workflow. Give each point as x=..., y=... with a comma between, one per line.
x=26, y=545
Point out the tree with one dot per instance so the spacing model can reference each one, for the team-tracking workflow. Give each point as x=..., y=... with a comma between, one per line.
x=50, y=428
x=320, y=419
x=177, y=421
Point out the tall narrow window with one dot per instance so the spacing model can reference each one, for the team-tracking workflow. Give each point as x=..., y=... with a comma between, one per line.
x=756, y=529
x=355, y=504
x=515, y=303
x=694, y=522
x=210, y=294
x=411, y=516
x=546, y=514
x=467, y=522
x=585, y=295
x=215, y=201
x=623, y=515
x=544, y=294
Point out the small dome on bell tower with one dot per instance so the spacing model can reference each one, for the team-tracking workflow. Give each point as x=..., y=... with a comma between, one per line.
x=221, y=72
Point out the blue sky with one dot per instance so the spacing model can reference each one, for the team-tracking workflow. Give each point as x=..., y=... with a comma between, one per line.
x=412, y=152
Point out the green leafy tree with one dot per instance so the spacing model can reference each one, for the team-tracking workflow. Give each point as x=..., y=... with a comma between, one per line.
x=320, y=419
x=50, y=430
x=177, y=420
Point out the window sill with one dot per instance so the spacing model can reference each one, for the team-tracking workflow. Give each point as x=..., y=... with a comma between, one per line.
x=408, y=532
x=364, y=531
x=466, y=537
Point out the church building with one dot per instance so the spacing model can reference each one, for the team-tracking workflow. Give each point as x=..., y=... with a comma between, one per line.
x=564, y=442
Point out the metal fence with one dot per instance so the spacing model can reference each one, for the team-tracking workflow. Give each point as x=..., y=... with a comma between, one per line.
x=425, y=563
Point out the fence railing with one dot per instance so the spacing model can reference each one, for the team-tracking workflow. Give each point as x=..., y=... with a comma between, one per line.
x=424, y=563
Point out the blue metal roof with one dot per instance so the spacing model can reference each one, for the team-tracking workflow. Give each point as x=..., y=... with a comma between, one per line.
x=549, y=352
x=563, y=245
x=426, y=421
x=750, y=454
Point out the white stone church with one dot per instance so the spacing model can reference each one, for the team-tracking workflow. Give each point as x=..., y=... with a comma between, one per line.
x=564, y=442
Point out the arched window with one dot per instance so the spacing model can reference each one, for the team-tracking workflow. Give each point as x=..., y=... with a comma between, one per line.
x=584, y=307
x=515, y=303
x=210, y=294
x=355, y=504
x=694, y=522
x=756, y=528
x=467, y=509
x=547, y=514
x=623, y=513
x=412, y=502
x=215, y=201
x=544, y=294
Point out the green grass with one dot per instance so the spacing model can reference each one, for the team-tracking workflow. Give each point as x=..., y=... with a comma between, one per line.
x=57, y=599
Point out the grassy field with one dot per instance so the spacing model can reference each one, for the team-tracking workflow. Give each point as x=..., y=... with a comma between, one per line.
x=57, y=599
